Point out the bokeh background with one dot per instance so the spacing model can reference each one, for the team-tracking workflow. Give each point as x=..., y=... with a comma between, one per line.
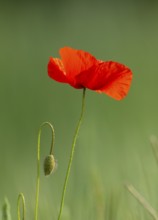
x=113, y=145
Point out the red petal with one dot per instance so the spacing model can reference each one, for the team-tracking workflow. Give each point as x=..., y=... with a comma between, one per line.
x=56, y=70
x=76, y=61
x=111, y=78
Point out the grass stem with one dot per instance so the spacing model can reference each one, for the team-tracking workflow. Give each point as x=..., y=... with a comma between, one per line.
x=22, y=198
x=142, y=201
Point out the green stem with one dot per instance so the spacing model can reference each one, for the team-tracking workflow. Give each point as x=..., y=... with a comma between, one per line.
x=71, y=155
x=21, y=196
x=38, y=163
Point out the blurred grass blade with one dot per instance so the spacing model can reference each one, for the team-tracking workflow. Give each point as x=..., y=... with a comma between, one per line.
x=6, y=210
x=154, y=144
x=22, y=199
x=142, y=201
x=98, y=195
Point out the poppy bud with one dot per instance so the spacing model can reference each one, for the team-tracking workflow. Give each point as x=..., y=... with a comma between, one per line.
x=49, y=165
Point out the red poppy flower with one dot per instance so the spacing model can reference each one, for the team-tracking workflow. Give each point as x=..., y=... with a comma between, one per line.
x=82, y=70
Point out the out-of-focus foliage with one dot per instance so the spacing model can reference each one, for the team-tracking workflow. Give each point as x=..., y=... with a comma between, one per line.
x=113, y=142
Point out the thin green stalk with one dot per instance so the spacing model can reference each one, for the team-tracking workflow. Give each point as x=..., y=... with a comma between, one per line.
x=38, y=163
x=71, y=155
x=21, y=196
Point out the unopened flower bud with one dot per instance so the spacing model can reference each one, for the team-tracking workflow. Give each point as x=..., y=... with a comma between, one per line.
x=49, y=165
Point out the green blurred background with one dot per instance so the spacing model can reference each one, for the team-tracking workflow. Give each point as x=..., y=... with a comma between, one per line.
x=113, y=144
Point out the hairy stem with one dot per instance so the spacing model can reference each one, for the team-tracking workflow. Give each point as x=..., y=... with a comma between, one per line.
x=71, y=155
x=38, y=162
